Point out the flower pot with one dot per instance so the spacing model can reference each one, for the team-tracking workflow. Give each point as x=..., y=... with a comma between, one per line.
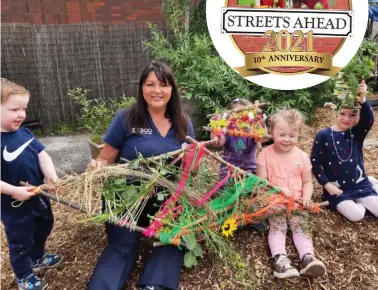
x=95, y=148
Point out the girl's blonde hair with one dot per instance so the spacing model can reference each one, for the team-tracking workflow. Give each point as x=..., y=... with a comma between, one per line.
x=9, y=88
x=289, y=115
x=239, y=102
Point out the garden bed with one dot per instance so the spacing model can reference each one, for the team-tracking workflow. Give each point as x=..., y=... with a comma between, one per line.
x=349, y=250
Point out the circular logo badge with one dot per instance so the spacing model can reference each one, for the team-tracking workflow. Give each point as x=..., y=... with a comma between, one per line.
x=287, y=45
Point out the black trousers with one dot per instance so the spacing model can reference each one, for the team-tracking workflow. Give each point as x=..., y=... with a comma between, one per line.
x=114, y=266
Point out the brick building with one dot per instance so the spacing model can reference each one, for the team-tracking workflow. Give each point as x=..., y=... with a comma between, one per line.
x=70, y=12
x=51, y=46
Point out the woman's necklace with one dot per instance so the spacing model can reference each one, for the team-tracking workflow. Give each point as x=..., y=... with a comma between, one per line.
x=351, y=146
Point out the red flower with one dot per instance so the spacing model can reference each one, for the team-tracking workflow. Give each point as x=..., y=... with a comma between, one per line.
x=245, y=118
x=232, y=126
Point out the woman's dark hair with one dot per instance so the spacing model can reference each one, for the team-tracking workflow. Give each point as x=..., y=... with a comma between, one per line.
x=138, y=112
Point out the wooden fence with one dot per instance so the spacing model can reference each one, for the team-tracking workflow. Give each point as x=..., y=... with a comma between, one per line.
x=50, y=59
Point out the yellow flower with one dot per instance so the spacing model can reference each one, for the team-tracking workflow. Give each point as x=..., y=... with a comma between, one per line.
x=218, y=123
x=228, y=227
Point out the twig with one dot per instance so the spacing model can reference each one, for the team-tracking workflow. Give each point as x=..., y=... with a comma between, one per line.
x=351, y=276
x=211, y=272
x=216, y=157
x=84, y=210
x=261, y=105
x=209, y=129
x=221, y=160
x=240, y=283
x=322, y=286
x=60, y=200
x=324, y=204
x=371, y=142
x=177, y=152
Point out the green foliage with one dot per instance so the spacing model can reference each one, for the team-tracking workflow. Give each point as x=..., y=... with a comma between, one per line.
x=361, y=66
x=305, y=100
x=198, y=19
x=120, y=197
x=37, y=132
x=246, y=2
x=318, y=6
x=117, y=188
x=194, y=250
x=60, y=129
x=331, y=3
x=197, y=251
x=190, y=241
x=96, y=114
x=190, y=260
x=65, y=129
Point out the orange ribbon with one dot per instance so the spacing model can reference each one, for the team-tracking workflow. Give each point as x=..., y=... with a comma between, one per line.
x=34, y=189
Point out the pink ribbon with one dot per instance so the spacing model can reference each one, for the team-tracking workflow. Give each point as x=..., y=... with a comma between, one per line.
x=188, y=160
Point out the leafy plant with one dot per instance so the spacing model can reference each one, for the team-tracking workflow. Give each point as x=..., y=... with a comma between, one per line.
x=194, y=250
x=361, y=66
x=65, y=129
x=96, y=114
x=37, y=132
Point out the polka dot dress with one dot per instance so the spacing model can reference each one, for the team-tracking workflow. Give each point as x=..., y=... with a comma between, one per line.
x=337, y=157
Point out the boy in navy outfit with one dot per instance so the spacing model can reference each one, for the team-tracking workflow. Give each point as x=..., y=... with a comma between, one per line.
x=27, y=219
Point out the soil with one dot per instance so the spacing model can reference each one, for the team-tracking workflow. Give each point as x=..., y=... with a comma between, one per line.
x=349, y=250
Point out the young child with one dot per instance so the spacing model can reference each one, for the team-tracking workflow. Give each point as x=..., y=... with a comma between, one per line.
x=27, y=219
x=338, y=164
x=240, y=152
x=284, y=165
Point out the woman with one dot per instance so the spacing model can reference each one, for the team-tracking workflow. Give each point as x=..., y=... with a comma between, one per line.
x=155, y=125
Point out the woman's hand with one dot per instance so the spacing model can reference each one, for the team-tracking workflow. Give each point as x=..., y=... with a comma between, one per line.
x=362, y=89
x=96, y=164
x=22, y=193
x=107, y=156
x=333, y=189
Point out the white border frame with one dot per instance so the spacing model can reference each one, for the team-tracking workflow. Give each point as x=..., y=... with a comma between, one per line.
x=233, y=58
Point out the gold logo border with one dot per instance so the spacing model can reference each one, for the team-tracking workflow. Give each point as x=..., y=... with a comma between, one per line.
x=266, y=70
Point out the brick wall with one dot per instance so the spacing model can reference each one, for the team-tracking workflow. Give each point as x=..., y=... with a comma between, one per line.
x=69, y=12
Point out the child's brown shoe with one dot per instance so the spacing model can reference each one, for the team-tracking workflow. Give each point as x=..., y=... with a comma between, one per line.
x=311, y=267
